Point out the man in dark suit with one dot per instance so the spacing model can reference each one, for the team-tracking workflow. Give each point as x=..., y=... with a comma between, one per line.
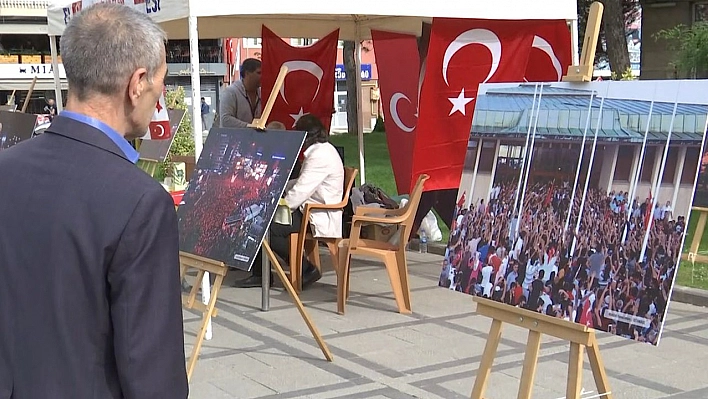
x=90, y=301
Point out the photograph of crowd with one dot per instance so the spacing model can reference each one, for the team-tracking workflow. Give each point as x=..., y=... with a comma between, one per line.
x=591, y=230
x=15, y=127
x=232, y=196
x=157, y=150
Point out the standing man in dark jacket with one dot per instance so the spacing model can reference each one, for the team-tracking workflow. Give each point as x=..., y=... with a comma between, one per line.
x=90, y=301
x=241, y=102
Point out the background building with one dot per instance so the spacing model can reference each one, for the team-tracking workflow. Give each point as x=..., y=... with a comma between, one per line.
x=24, y=53
x=658, y=15
x=501, y=124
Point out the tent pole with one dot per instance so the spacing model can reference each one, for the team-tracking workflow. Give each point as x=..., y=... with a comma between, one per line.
x=529, y=158
x=575, y=41
x=577, y=169
x=576, y=230
x=359, y=106
x=657, y=187
x=57, y=76
x=197, y=124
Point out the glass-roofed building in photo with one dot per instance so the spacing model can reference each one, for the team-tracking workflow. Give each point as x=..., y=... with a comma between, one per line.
x=505, y=116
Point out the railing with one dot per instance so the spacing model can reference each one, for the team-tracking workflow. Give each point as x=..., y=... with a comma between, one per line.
x=207, y=54
x=26, y=4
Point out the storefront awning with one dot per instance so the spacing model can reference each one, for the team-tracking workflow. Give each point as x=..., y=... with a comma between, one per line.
x=24, y=84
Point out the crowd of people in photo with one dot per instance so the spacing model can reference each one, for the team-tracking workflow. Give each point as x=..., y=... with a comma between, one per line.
x=221, y=216
x=596, y=276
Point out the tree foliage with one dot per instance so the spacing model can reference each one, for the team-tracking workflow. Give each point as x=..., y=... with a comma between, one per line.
x=690, y=47
x=631, y=10
x=183, y=143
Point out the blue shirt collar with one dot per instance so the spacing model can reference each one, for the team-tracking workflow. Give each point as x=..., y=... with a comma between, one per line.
x=120, y=141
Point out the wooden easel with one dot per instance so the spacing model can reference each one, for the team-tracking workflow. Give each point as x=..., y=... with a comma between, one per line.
x=202, y=265
x=583, y=72
x=693, y=254
x=579, y=336
x=219, y=269
x=29, y=95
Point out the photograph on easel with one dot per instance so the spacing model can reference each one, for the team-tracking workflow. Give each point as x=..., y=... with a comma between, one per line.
x=15, y=127
x=157, y=150
x=575, y=197
x=234, y=191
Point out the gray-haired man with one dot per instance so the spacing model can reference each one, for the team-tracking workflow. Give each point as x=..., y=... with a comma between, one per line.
x=90, y=298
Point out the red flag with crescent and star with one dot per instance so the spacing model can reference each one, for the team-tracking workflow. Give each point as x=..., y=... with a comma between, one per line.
x=462, y=54
x=310, y=82
x=398, y=64
x=551, y=52
x=160, y=124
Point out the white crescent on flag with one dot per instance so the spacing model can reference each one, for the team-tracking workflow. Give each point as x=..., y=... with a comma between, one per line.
x=307, y=66
x=160, y=125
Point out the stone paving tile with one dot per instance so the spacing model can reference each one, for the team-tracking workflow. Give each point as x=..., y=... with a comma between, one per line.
x=433, y=353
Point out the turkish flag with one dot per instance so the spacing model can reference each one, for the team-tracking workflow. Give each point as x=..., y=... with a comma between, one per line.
x=398, y=63
x=309, y=85
x=160, y=125
x=462, y=54
x=551, y=52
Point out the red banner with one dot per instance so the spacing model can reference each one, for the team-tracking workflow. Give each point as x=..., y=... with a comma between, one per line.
x=551, y=52
x=309, y=84
x=398, y=61
x=462, y=54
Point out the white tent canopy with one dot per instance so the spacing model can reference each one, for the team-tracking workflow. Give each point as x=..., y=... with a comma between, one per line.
x=316, y=18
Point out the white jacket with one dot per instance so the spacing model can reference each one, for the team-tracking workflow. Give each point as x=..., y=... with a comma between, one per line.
x=321, y=181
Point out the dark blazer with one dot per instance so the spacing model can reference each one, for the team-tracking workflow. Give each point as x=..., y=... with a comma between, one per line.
x=90, y=294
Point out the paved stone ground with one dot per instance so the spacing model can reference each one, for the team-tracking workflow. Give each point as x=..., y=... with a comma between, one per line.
x=433, y=353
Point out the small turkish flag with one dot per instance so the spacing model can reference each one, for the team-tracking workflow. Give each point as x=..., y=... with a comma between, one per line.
x=160, y=125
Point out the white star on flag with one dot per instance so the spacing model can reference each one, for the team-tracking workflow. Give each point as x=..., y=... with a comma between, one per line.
x=459, y=103
x=299, y=115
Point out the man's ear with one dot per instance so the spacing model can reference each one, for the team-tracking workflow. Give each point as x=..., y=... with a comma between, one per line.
x=137, y=85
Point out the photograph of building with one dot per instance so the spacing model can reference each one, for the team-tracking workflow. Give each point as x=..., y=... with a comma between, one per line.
x=575, y=198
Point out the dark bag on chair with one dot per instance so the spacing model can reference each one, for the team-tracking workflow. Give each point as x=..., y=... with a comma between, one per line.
x=374, y=195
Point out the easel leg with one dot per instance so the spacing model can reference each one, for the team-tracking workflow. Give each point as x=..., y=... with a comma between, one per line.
x=575, y=371
x=533, y=345
x=485, y=366
x=265, y=277
x=598, y=370
x=206, y=319
x=286, y=282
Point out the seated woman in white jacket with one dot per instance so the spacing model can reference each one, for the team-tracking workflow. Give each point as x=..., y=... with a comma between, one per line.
x=321, y=181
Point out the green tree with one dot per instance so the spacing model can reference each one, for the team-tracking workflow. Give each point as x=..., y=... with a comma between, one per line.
x=612, y=43
x=690, y=46
x=183, y=144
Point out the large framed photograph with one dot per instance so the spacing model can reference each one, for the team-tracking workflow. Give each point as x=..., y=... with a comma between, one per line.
x=233, y=194
x=575, y=198
x=157, y=150
x=15, y=127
